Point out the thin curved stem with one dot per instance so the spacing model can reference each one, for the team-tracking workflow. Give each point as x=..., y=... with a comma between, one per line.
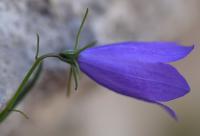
x=12, y=103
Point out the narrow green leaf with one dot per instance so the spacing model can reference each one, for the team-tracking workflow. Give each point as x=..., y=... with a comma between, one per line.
x=77, y=68
x=38, y=46
x=91, y=44
x=21, y=112
x=80, y=29
x=69, y=82
x=75, y=76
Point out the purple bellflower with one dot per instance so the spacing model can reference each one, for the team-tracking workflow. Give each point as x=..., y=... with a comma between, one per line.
x=138, y=69
x=135, y=69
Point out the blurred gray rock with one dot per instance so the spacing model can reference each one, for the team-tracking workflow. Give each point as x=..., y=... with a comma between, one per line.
x=20, y=20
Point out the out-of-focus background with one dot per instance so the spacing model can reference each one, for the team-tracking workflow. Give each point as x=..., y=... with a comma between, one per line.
x=94, y=110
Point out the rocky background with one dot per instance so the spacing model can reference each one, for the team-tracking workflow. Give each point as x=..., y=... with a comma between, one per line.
x=93, y=110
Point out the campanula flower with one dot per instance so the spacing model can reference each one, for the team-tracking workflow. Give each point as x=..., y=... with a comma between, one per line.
x=135, y=69
x=138, y=69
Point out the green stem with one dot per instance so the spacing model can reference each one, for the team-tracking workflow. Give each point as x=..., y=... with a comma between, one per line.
x=11, y=104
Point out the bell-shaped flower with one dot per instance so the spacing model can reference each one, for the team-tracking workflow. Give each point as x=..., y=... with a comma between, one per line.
x=138, y=70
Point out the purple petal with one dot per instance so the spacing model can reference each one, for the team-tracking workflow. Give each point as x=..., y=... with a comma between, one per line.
x=141, y=51
x=148, y=81
x=169, y=110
